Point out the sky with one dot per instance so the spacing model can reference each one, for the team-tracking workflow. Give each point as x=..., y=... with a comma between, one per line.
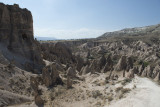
x=73, y=19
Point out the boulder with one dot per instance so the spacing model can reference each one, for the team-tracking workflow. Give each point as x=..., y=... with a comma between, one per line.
x=39, y=101
x=37, y=93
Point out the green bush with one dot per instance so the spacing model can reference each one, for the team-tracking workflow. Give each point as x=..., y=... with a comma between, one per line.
x=146, y=64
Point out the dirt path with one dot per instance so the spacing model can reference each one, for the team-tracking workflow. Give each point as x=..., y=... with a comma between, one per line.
x=146, y=94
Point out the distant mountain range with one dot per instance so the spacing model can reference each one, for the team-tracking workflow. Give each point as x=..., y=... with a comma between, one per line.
x=45, y=38
x=137, y=31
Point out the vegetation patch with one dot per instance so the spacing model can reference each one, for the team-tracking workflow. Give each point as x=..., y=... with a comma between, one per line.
x=125, y=81
x=118, y=89
x=125, y=90
x=110, y=98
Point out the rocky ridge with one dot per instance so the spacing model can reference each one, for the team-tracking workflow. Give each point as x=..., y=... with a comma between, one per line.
x=90, y=72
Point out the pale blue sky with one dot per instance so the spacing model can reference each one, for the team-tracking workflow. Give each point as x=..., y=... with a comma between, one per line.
x=66, y=19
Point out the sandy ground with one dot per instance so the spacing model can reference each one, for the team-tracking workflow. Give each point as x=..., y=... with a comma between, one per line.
x=146, y=94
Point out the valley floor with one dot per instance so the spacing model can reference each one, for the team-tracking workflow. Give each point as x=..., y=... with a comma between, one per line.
x=94, y=93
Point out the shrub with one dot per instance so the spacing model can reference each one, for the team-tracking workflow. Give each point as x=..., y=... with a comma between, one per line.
x=119, y=89
x=146, y=64
x=90, y=57
x=125, y=90
x=96, y=93
x=110, y=98
x=125, y=81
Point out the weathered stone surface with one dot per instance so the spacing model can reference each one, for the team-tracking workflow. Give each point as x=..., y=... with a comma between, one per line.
x=80, y=63
x=156, y=71
x=34, y=84
x=157, y=78
x=39, y=101
x=149, y=71
x=144, y=72
x=71, y=72
x=131, y=73
x=57, y=51
x=102, y=62
x=122, y=64
x=50, y=76
x=125, y=63
x=109, y=64
x=46, y=77
x=85, y=70
x=141, y=68
x=129, y=63
x=69, y=82
x=94, y=66
x=16, y=37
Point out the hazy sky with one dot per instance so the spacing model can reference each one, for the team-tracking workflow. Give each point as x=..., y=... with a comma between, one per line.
x=65, y=19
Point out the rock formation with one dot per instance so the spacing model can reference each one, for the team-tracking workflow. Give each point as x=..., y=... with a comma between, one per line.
x=155, y=71
x=46, y=77
x=80, y=63
x=109, y=64
x=131, y=73
x=94, y=66
x=129, y=63
x=37, y=92
x=50, y=76
x=157, y=78
x=16, y=37
x=122, y=64
x=71, y=72
x=102, y=62
x=57, y=51
x=69, y=82
x=85, y=70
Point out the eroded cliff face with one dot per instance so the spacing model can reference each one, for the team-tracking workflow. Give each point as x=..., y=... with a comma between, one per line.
x=16, y=38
